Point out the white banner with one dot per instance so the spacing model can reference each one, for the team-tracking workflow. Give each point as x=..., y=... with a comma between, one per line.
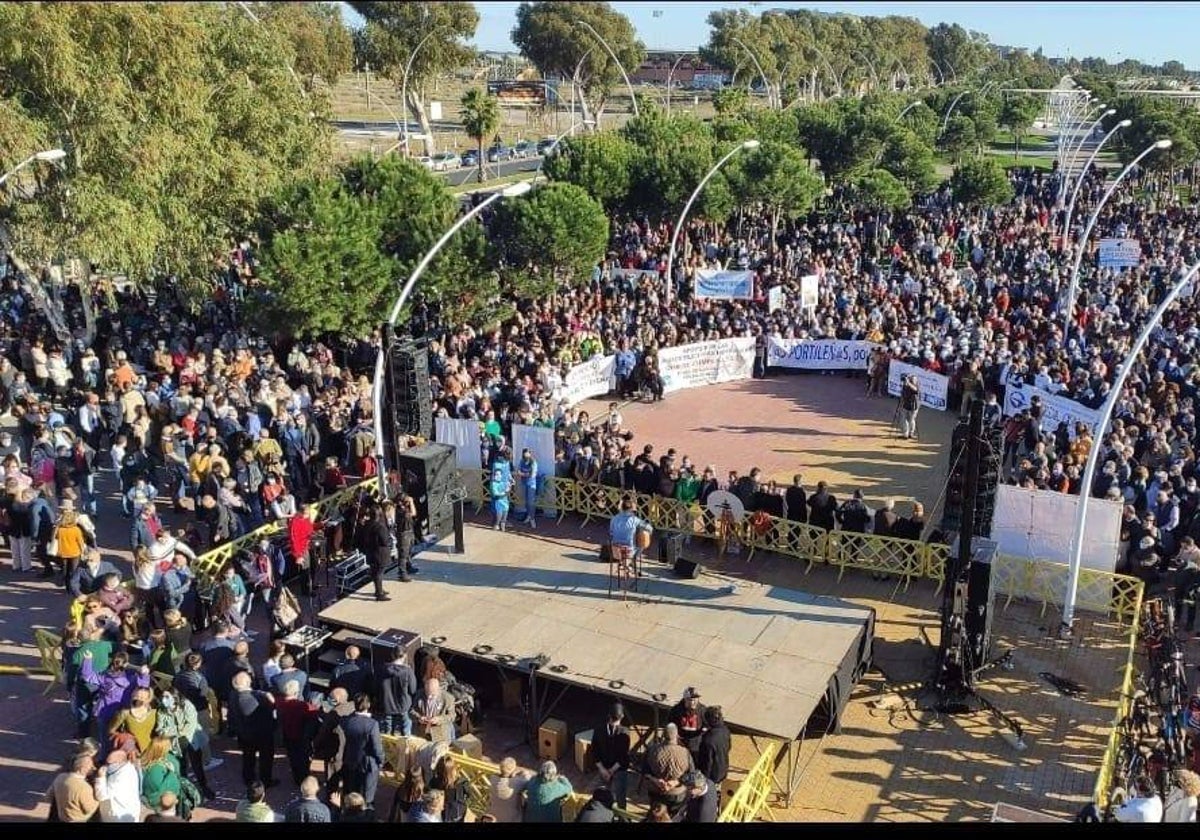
x=809, y=291
x=540, y=441
x=634, y=274
x=821, y=354
x=775, y=299
x=1120, y=253
x=1057, y=409
x=1029, y=523
x=706, y=363
x=590, y=379
x=724, y=285
x=463, y=435
x=933, y=385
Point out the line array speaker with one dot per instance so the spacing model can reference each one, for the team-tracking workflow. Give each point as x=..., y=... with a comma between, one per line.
x=989, y=479
x=429, y=473
x=409, y=401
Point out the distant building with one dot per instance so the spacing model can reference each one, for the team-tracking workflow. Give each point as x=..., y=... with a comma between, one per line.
x=691, y=72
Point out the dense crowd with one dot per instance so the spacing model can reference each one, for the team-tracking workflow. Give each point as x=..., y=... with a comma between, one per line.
x=233, y=432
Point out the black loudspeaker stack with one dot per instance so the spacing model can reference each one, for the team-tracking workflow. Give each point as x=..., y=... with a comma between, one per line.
x=687, y=568
x=409, y=400
x=989, y=478
x=429, y=473
x=979, y=606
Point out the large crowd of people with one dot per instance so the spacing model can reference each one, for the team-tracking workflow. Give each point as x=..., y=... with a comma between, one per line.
x=211, y=431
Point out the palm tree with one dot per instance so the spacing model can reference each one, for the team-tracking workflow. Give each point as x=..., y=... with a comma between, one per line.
x=480, y=118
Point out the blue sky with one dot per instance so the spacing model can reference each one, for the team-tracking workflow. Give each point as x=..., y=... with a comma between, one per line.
x=1147, y=31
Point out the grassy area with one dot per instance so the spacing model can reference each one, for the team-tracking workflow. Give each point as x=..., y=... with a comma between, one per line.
x=1042, y=162
x=503, y=181
x=1029, y=143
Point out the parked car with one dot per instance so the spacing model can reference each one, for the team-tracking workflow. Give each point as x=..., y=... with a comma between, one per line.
x=524, y=149
x=424, y=160
x=470, y=158
x=545, y=145
x=498, y=153
x=445, y=161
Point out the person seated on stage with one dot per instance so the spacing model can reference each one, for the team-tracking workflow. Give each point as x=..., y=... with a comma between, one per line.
x=623, y=531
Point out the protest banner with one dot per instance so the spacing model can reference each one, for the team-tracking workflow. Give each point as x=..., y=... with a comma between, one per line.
x=809, y=291
x=1120, y=253
x=706, y=363
x=593, y=378
x=1057, y=409
x=775, y=298
x=724, y=285
x=818, y=354
x=934, y=386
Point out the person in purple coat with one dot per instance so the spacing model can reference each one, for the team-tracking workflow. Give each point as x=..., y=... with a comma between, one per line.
x=113, y=688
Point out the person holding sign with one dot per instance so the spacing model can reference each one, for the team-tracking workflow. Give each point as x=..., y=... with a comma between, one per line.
x=910, y=403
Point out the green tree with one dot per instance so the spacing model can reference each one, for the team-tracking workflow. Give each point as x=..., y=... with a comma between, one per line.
x=778, y=178
x=881, y=189
x=480, y=117
x=910, y=159
x=394, y=31
x=599, y=163
x=177, y=120
x=324, y=272
x=981, y=181
x=958, y=137
x=322, y=45
x=551, y=236
x=730, y=101
x=958, y=51
x=551, y=36
x=1017, y=115
x=670, y=158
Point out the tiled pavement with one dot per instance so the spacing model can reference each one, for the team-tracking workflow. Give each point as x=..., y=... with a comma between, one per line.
x=884, y=766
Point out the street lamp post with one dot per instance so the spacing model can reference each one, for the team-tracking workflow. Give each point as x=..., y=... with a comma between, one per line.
x=670, y=75
x=377, y=386
x=575, y=79
x=1073, y=155
x=870, y=65
x=1079, y=181
x=1089, y=469
x=613, y=55
x=766, y=82
x=747, y=146
x=549, y=151
x=48, y=156
x=1087, y=230
x=404, y=80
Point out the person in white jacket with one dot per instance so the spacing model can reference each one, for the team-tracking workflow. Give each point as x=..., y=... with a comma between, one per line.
x=119, y=789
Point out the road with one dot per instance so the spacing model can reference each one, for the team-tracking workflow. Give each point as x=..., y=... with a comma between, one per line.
x=468, y=174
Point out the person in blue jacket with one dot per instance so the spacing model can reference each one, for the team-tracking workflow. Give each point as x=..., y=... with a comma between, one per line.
x=527, y=469
x=499, y=485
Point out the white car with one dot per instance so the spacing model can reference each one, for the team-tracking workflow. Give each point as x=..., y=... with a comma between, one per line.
x=445, y=161
x=424, y=160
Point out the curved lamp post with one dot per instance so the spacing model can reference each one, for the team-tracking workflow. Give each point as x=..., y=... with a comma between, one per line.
x=404, y=79
x=549, y=151
x=953, y=72
x=1068, y=122
x=575, y=79
x=377, y=385
x=1079, y=181
x=950, y=110
x=747, y=146
x=670, y=75
x=1073, y=155
x=1089, y=469
x=766, y=82
x=48, y=156
x=613, y=55
x=870, y=65
x=1083, y=238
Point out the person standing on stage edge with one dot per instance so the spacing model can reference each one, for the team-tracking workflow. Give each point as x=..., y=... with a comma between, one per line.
x=498, y=487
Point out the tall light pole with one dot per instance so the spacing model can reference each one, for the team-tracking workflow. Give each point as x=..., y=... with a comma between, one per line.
x=48, y=156
x=941, y=78
x=1089, y=469
x=1068, y=120
x=1073, y=154
x=744, y=146
x=377, y=385
x=870, y=65
x=1083, y=238
x=766, y=82
x=908, y=108
x=549, y=151
x=950, y=110
x=613, y=55
x=404, y=79
x=953, y=72
x=575, y=79
x=670, y=75
x=1079, y=181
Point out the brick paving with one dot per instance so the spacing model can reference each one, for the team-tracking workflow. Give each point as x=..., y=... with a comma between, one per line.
x=883, y=766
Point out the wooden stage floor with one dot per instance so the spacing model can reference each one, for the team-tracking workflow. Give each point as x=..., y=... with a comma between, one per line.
x=764, y=653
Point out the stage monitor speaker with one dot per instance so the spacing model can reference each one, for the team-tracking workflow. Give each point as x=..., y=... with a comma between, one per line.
x=429, y=473
x=385, y=645
x=670, y=548
x=687, y=568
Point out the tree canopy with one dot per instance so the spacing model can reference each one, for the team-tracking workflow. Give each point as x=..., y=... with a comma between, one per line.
x=177, y=119
x=981, y=181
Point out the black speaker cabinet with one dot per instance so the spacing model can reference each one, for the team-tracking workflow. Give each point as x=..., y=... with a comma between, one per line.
x=429, y=473
x=687, y=568
x=385, y=645
x=980, y=609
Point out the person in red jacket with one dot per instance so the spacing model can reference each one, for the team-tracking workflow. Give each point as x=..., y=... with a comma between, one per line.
x=301, y=528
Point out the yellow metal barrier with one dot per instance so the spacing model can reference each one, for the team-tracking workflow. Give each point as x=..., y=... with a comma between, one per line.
x=752, y=794
x=883, y=555
x=1108, y=765
x=49, y=647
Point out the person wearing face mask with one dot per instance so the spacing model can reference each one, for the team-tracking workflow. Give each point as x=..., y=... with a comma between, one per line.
x=118, y=789
x=179, y=721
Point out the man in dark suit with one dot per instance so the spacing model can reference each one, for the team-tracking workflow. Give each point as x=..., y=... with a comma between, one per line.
x=353, y=673
x=362, y=755
x=796, y=500
x=252, y=721
x=821, y=508
x=712, y=759
x=610, y=748
x=376, y=544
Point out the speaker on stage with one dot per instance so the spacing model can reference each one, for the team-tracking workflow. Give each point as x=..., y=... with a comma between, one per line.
x=408, y=401
x=429, y=473
x=687, y=568
x=385, y=645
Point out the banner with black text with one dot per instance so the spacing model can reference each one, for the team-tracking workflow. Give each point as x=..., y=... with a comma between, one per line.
x=933, y=386
x=819, y=354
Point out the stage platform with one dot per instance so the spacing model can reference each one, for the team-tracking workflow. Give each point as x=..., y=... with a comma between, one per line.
x=769, y=656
